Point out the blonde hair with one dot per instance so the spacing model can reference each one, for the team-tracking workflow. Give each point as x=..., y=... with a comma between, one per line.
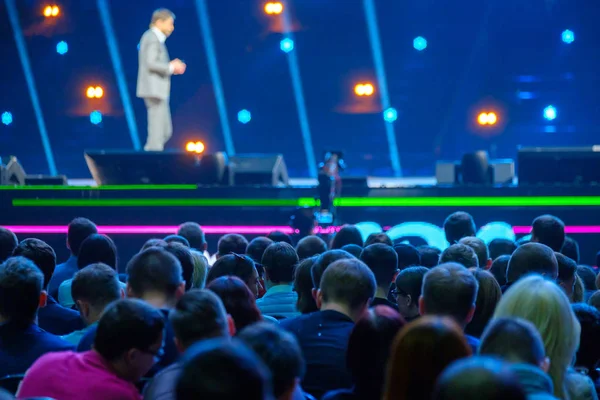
x=160, y=15
x=200, y=270
x=546, y=306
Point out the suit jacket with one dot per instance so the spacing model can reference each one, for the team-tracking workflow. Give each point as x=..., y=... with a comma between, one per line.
x=154, y=74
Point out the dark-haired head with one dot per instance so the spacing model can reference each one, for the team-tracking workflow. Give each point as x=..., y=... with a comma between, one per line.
x=231, y=243
x=97, y=249
x=380, y=237
x=408, y=256
x=383, y=261
x=21, y=284
x=324, y=261
x=303, y=286
x=279, y=261
x=256, y=248
x=348, y=234
x=310, y=246
x=278, y=236
x=570, y=248
x=548, y=230
x=8, y=242
x=567, y=269
x=430, y=256
x=236, y=265
x=460, y=254
x=353, y=249
x=458, y=225
x=177, y=239
x=154, y=242
x=185, y=258
x=498, y=269
x=588, y=353
x=588, y=277
x=238, y=300
x=194, y=234
x=480, y=249
x=501, y=247
x=41, y=254
x=488, y=296
x=93, y=288
x=407, y=291
x=532, y=258
x=79, y=229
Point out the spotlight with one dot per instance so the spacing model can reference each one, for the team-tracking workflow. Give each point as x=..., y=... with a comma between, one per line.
x=287, y=45
x=55, y=11
x=94, y=92
x=420, y=43
x=244, y=116
x=482, y=119
x=194, y=147
x=550, y=113
x=390, y=115
x=274, y=8
x=7, y=118
x=568, y=36
x=51, y=11
x=62, y=48
x=490, y=118
x=95, y=117
x=364, y=89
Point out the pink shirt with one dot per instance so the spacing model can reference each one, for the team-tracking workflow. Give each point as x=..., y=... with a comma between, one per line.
x=75, y=376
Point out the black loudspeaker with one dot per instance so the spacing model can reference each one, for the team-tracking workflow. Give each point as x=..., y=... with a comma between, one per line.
x=559, y=165
x=115, y=167
x=12, y=173
x=258, y=169
x=475, y=168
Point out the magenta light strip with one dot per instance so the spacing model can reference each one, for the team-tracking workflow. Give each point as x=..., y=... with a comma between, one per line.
x=573, y=229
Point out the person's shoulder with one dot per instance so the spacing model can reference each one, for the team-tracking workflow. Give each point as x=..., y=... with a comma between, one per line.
x=163, y=383
x=54, y=342
x=295, y=322
x=50, y=359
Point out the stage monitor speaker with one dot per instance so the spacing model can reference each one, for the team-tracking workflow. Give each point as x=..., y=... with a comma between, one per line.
x=12, y=173
x=446, y=172
x=117, y=167
x=43, y=180
x=258, y=169
x=559, y=165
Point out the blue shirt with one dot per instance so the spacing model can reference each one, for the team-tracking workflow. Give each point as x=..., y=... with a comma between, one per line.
x=75, y=337
x=21, y=346
x=57, y=319
x=62, y=272
x=279, y=302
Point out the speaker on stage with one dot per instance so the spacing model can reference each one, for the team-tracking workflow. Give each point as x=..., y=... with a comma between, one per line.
x=258, y=169
x=559, y=165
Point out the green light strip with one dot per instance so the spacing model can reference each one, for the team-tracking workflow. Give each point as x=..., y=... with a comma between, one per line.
x=105, y=187
x=155, y=202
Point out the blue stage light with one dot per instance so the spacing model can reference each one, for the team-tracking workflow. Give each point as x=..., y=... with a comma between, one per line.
x=244, y=116
x=286, y=45
x=390, y=115
x=550, y=113
x=62, y=48
x=7, y=118
x=420, y=43
x=568, y=36
x=95, y=117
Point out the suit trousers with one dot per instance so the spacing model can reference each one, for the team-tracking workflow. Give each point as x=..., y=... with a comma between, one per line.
x=160, y=127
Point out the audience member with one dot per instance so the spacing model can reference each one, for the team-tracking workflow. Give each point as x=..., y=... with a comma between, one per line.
x=178, y=240
x=460, y=254
x=382, y=260
x=531, y=258
x=194, y=234
x=128, y=341
x=459, y=225
x=324, y=261
x=501, y=247
x=279, y=261
x=481, y=251
x=236, y=265
x=303, y=286
x=408, y=255
x=498, y=269
x=238, y=300
x=380, y=237
x=256, y=248
x=278, y=236
x=548, y=230
x=566, y=274
x=429, y=255
x=588, y=353
x=488, y=296
x=407, y=291
x=200, y=269
x=79, y=229
x=154, y=242
x=353, y=249
x=419, y=354
x=231, y=243
x=184, y=255
x=588, y=277
x=594, y=300
x=21, y=340
x=8, y=243
x=570, y=248
x=310, y=246
x=578, y=291
x=348, y=234
x=346, y=289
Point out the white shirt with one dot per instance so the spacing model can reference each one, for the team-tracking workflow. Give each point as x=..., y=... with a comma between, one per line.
x=161, y=36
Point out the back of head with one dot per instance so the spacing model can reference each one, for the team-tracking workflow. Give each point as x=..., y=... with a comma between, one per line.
x=310, y=246
x=278, y=236
x=184, y=256
x=594, y=300
x=383, y=261
x=478, y=378
x=450, y=289
x=420, y=352
x=570, y=248
x=198, y=315
x=501, y=247
x=154, y=242
x=409, y=281
x=349, y=283
x=177, y=239
x=280, y=352
x=303, y=285
x=232, y=243
x=430, y=256
x=348, y=234
x=515, y=340
x=460, y=254
x=532, y=258
x=238, y=300
x=324, y=261
x=232, y=265
x=458, y=225
x=588, y=353
x=279, y=261
x=154, y=270
x=408, y=255
x=588, y=276
x=353, y=249
x=566, y=268
x=210, y=367
x=380, y=237
x=548, y=230
x=125, y=325
x=479, y=247
x=194, y=234
x=41, y=254
x=256, y=248
x=8, y=242
x=97, y=284
x=499, y=267
x=200, y=269
x=79, y=229
x=488, y=296
x=20, y=288
x=97, y=249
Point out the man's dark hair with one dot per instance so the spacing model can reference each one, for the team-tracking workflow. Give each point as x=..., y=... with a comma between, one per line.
x=177, y=239
x=353, y=249
x=408, y=255
x=380, y=237
x=566, y=268
x=42, y=255
x=280, y=352
x=194, y=234
x=349, y=282
x=532, y=258
x=479, y=247
x=279, y=261
x=278, y=236
x=498, y=269
x=461, y=254
x=199, y=314
x=348, y=234
x=8, y=243
x=548, y=230
x=127, y=324
x=588, y=277
x=210, y=366
x=154, y=242
x=501, y=247
x=588, y=353
x=256, y=248
x=232, y=265
x=232, y=243
x=430, y=256
x=154, y=269
x=79, y=229
x=184, y=255
x=383, y=262
x=570, y=248
x=410, y=282
x=324, y=261
x=303, y=285
x=20, y=288
x=459, y=225
x=450, y=289
x=310, y=246
x=514, y=340
x=97, y=248
x=97, y=284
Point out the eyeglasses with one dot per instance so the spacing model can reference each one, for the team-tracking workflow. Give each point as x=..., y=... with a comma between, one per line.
x=158, y=354
x=396, y=292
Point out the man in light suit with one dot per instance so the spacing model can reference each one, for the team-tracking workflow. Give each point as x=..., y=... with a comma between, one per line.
x=154, y=78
